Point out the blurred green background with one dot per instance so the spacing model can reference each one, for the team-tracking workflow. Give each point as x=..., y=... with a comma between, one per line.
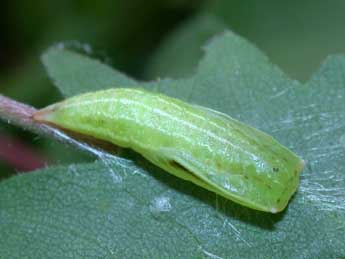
x=147, y=40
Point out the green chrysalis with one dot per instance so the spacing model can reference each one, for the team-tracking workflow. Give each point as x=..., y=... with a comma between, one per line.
x=194, y=143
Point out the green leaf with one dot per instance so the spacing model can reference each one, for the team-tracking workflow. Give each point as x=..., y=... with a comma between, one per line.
x=70, y=72
x=291, y=34
x=122, y=209
x=179, y=53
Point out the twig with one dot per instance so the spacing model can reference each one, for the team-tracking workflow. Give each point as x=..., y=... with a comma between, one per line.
x=20, y=114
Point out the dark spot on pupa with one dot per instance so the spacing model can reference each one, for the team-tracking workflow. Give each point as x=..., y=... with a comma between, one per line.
x=246, y=177
x=100, y=122
x=275, y=169
x=218, y=165
x=251, y=142
x=278, y=200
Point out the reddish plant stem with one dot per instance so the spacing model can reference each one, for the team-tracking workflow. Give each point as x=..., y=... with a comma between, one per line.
x=21, y=115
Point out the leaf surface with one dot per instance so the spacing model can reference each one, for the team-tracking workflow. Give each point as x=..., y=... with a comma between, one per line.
x=129, y=208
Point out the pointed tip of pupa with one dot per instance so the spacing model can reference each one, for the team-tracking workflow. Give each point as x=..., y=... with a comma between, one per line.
x=274, y=210
x=45, y=114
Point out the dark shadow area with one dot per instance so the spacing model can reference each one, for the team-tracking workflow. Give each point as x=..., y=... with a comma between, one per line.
x=224, y=206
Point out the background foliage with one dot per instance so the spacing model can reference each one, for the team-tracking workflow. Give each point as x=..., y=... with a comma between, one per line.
x=144, y=38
